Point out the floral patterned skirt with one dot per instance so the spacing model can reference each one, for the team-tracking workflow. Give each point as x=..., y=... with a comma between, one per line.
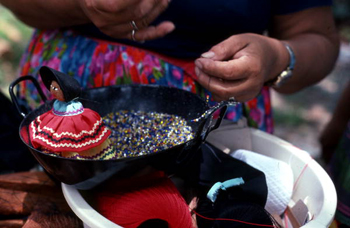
x=96, y=63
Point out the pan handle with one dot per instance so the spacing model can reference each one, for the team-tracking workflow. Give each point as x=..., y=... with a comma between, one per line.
x=185, y=155
x=210, y=127
x=14, y=97
x=208, y=116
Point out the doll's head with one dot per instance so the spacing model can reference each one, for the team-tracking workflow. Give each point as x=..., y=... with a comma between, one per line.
x=62, y=86
x=56, y=91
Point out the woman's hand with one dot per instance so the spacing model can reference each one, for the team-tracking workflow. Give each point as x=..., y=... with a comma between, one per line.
x=239, y=66
x=112, y=17
x=115, y=17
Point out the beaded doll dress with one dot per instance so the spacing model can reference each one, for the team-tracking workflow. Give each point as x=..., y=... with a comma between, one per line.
x=72, y=131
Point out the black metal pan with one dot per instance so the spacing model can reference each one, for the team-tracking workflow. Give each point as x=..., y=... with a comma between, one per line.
x=85, y=174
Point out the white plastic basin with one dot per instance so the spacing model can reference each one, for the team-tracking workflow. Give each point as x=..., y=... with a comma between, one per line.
x=312, y=184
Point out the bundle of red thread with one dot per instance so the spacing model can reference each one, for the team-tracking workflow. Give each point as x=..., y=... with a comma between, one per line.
x=151, y=199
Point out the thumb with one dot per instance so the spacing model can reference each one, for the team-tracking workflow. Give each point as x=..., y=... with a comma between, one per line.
x=226, y=49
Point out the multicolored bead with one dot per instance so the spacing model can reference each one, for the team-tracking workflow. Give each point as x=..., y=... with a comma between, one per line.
x=140, y=133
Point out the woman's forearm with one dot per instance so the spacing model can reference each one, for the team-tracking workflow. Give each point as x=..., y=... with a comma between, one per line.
x=47, y=14
x=315, y=42
x=315, y=56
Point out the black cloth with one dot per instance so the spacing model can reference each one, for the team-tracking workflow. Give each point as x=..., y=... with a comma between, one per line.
x=248, y=199
x=14, y=154
x=203, y=24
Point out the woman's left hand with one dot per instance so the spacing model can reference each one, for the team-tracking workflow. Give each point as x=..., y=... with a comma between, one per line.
x=239, y=66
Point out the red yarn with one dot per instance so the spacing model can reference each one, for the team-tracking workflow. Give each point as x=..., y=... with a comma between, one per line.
x=149, y=198
x=232, y=220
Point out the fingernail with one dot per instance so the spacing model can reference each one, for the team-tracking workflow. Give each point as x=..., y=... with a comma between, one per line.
x=208, y=55
x=198, y=64
x=172, y=28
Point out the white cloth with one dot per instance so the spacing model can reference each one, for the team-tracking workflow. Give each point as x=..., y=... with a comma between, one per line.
x=279, y=178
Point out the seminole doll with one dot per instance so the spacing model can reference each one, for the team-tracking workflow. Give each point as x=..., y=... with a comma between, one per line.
x=69, y=130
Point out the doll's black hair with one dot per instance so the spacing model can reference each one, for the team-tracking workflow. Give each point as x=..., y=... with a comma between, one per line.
x=70, y=87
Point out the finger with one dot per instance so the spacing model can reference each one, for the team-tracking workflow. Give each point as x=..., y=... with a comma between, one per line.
x=109, y=12
x=103, y=20
x=226, y=89
x=123, y=13
x=144, y=12
x=154, y=32
x=217, y=85
x=227, y=48
x=109, y=6
x=121, y=31
x=228, y=70
x=242, y=90
x=152, y=14
x=218, y=98
x=124, y=30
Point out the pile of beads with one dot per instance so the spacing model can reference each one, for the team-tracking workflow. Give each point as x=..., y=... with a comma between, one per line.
x=139, y=133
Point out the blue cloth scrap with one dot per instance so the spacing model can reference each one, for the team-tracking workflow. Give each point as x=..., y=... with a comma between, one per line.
x=214, y=190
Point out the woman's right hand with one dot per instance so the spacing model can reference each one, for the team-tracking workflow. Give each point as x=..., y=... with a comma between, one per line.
x=114, y=17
